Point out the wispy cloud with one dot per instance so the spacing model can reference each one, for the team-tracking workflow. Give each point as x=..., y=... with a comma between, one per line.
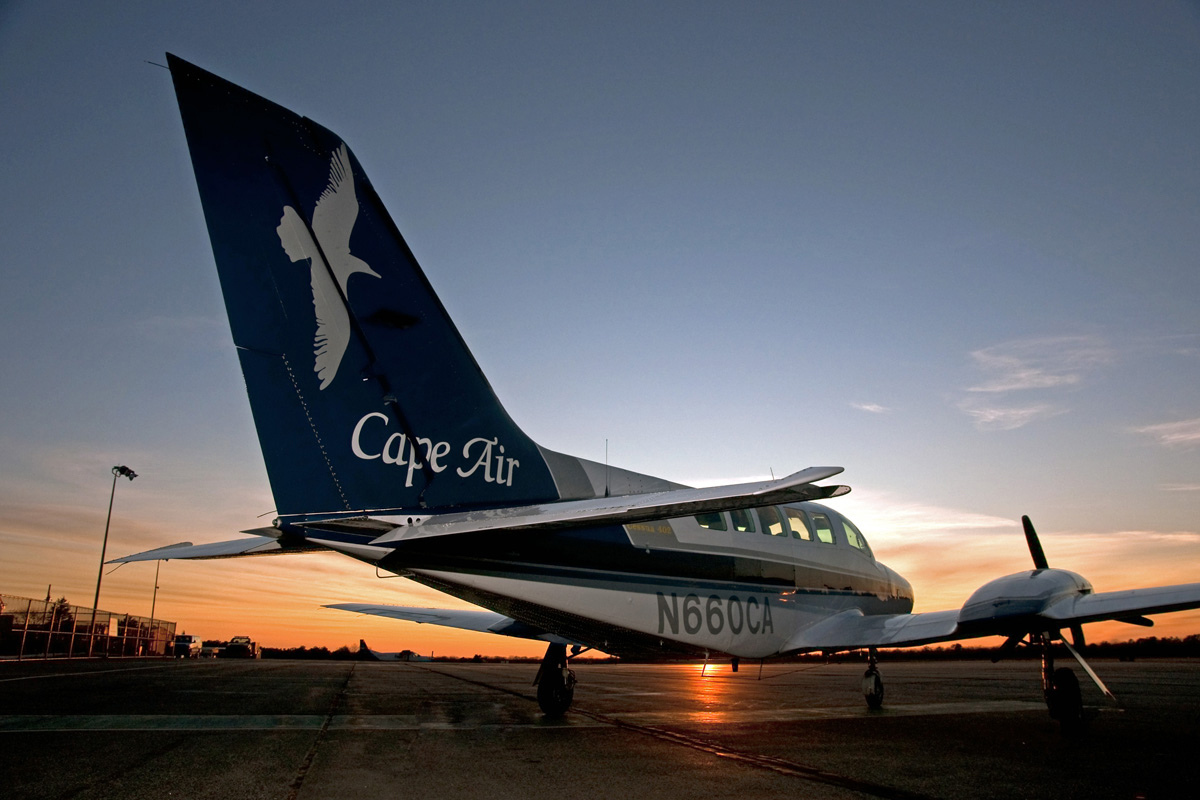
x=995, y=417
x=1029, y=366
x=1180, y=487
x=1039, y=363
x=1185, y=433
x=890, y=514
x=871, y=408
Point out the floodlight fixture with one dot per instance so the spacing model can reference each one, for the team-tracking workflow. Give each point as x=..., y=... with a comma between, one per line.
x=118, y=472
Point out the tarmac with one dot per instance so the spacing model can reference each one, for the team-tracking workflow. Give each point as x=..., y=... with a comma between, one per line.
x=363, y=730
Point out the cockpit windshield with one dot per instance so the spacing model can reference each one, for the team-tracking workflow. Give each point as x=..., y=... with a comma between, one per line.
x=854, y=536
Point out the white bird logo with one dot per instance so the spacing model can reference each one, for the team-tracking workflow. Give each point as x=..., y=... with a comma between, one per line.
x=333, y=219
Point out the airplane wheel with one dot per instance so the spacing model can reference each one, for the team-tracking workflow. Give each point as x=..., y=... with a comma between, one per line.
x=873, y=689
x=555, y=692
x=1064, y=698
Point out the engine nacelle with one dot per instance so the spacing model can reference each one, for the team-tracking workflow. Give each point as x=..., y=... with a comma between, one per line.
x=1020, y=598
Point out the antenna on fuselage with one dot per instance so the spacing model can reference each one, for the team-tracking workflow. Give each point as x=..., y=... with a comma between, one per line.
x=606, y=494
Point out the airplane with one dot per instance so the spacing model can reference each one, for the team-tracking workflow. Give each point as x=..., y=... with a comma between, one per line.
x=384, y=441
x=367, y=654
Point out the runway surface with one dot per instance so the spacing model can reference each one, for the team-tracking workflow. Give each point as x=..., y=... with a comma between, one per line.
x=306, y=729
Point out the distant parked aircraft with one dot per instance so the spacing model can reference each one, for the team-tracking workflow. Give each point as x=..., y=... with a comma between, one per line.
x=375, y=655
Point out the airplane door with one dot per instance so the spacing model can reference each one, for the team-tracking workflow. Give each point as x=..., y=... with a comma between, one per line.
x=778, y=563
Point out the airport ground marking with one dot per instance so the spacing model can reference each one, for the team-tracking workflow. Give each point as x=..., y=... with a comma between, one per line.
x=170, y=665
x=339, y=699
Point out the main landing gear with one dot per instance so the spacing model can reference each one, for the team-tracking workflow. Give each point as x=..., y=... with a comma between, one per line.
x=1060, y=687
x=872, y=683
x=555, y=682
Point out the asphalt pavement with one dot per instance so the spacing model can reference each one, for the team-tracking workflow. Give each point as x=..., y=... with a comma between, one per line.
x=309, y=729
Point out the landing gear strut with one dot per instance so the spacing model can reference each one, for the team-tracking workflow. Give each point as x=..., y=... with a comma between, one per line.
x=1060, y=687
x=555, y=682
x=872, y=683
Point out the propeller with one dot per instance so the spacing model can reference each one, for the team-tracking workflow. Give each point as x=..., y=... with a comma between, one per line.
x=1040, y=562
x=1091, y=673
x=1035, y=546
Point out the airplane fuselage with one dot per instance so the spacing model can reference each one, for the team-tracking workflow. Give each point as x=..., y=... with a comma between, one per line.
x=740, y=583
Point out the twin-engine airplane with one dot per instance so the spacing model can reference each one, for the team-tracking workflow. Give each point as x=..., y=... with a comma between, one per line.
x=384, y=441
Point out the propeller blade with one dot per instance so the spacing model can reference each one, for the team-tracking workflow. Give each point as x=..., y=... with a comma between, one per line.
x=1035, y=546
x=1077, y=636
x=1091, y=674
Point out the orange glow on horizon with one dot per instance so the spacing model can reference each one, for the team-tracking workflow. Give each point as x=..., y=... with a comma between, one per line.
x=278, y=600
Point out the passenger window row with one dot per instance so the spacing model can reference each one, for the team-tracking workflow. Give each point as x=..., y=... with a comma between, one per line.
x=800, y=524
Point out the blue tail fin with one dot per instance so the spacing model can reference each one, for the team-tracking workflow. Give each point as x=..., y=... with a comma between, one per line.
x=363, y=392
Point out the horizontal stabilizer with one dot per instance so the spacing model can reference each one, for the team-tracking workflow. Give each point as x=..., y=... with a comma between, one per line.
x=468, y=620
x=236, y=548
x=627, y=509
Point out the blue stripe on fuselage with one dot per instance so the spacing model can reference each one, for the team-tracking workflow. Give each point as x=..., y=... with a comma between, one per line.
x=604, y=556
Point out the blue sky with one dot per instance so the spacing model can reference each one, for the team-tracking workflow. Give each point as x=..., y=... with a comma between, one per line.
x=951, y=247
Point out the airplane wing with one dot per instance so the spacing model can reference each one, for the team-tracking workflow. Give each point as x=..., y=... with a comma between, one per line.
x=258, y=545
x=1127, y=604
x=623, y=509
x=468, y=620
x=852, y=629
x=619, y=510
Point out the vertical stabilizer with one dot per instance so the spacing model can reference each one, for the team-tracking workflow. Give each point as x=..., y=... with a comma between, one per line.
x=364, y=393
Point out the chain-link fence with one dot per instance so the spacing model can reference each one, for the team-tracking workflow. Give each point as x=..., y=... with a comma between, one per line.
x=56, y=629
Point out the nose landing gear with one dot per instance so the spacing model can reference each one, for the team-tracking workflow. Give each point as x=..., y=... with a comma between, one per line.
x=872, y=683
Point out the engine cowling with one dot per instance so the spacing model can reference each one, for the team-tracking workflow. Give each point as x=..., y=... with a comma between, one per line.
x=1016, y=601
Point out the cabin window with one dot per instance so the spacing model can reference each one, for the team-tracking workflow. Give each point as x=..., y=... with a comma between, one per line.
x=742, y=521
x=823, y=528
x=798, y=523
x=714, y=522
x=854, y=536
x=770, y=521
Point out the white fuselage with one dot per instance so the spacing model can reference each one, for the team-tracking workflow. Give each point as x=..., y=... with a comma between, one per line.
x=674, y=584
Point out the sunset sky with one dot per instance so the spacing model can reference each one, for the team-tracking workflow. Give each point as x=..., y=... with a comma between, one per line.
x=952, y=247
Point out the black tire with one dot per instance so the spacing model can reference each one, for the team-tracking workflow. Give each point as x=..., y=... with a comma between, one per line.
x=555, y=693
x=873, y=689
x=1065, y=700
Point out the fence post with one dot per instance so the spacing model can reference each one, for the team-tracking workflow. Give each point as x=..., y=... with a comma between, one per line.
x=50, y=630
x=25, y=630
x=74, y=627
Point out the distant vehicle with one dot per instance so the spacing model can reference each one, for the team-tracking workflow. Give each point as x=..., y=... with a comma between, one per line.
x=210, y=651
x=240, y=647
x=367, y=654
x=186, y=646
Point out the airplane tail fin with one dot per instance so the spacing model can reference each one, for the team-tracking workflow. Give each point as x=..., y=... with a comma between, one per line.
x=364, y=394
x=366, y=653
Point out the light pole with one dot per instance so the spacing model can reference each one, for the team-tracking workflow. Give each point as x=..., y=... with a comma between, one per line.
x=153, y=602
x=154, y=598
x=118, y=472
